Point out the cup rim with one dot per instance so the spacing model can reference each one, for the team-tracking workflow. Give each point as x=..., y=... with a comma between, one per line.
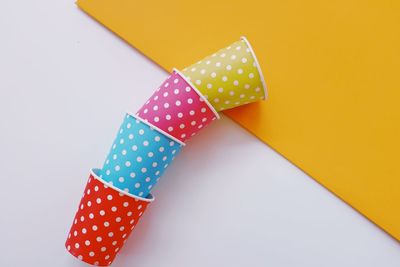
x=93, y=173
x=198, y=92
x=243, y=38
x=156, y=128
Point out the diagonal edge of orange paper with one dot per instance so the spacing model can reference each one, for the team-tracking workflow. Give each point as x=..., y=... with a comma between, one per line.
x=258, y=124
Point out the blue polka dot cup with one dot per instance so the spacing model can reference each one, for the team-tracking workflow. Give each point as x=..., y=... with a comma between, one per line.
x=139, y=156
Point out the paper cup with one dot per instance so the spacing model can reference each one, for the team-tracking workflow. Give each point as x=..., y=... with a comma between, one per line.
x=105, y=218
x=177, y=108
x=229, y=78
x=139, y=156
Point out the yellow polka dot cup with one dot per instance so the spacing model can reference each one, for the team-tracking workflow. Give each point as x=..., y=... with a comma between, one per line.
x=229, y=78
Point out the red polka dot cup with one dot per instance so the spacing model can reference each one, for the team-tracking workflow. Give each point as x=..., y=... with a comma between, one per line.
x=105, y=218
x=178, y=108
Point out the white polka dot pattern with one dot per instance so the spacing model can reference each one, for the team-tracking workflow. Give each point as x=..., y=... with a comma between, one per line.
x=176, y=108
x=138, y=157
x=103, y=222
x=229, y=78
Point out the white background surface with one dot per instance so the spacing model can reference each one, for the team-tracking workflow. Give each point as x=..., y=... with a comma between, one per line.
x=228, y=199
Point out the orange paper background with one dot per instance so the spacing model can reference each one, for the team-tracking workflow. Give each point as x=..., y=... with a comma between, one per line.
x=332, y=68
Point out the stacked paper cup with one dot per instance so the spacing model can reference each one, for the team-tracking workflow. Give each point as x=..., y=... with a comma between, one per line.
x=147, y=142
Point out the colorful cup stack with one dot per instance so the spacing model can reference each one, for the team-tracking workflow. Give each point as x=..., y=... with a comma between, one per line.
x=148, y=141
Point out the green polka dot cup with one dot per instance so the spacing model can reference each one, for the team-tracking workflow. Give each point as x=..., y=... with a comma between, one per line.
x=229, y=78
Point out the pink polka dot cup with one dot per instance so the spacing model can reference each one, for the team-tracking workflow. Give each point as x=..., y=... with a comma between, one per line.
x=105, y=218
x=178, y=108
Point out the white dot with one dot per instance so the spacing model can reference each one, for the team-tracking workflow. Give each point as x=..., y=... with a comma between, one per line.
x=168, y=117
x=178, y=103
x=126, y=204
x=203, y=110
x=150, y=154
x=134, y=147
x=176, y=81
x=114, y=209
x=213, y=74
x=76, y=245
x=216, y=100
x=218, y=64
x=236, y=83
x=228, y=67
x=139, y=159
x=180, y=115
x=242, y=96
x=117, y=168
x=165, y=94
x=233, y=57
x=170, y=128
x=176, y=91
x=121, y=141
x=102, y=212
x=109, y=197
x=166, y=105
x=157, y=138
x=87, y=242
x=166, y=84
x=247, y=86
x=244, y=60
x=251, y=75
x=187, y=89
x=110, y=234
x=182, y=126
x=141, y=131
x=161, y=149
x=154, y=164
x=220, y=89
x=118, y=219
x=91, y=253
x=198, y=82
x=172, y=143
x=132, y=175
x=146, y=143
x=123, y=152
x=190, y=101
x=238, y=48
x=147, y=179
x=145, y=110
x=115, y=156
x=156, y=119
x=103, y=249
x=128, y=164
x=231, y=93
x=191, y=112
x=193, y=123
x=98, y=201
x=94, y=228
x=257, y=89
x=224, y=78
x=143, y=170
x=91, y=216
x=137, y=185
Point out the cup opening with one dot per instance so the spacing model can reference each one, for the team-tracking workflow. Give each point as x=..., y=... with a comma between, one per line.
x=198, y=92
x=95, y=173
x=243, y=38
